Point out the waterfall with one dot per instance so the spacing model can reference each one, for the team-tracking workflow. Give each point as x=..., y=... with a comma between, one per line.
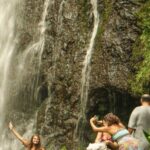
x=55, y=58
x=42, y=25
x=35, y=50
x=7, y=45
x=19, y=82
x=60, y=15
x=10, y=142
x=86, y=75
x=87, y=66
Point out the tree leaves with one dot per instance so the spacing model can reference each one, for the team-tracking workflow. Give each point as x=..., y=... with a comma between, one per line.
x=141, y=81
x=147, y=135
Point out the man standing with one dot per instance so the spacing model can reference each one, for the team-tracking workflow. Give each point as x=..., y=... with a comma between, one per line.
x=140, y=120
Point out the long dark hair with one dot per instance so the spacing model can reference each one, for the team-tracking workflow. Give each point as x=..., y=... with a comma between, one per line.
x=38, y=146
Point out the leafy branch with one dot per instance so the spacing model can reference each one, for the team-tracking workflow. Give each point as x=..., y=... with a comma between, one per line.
x=147, y=135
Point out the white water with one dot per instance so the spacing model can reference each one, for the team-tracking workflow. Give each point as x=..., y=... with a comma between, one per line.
x=36, y=48
x=9, y=141
x=60, y=15
x=25, y=61
x=87, y=66
x=30, y=59
x=7, y=45
x=42, y=25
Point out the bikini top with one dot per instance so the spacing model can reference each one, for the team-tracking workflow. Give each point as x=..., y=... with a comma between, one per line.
x=121, y=133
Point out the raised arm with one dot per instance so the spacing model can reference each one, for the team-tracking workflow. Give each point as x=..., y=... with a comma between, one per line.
x=97, y=129
x=24, y=142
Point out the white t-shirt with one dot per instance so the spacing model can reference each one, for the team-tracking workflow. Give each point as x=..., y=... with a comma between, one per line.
x=97, y=146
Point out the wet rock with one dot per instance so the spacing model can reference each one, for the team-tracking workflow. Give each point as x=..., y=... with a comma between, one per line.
x=69, y=24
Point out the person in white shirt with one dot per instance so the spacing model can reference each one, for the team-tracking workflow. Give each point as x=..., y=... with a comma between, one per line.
x=140, y=120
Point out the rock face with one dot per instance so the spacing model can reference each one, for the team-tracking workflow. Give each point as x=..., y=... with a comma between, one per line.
x=69, y=25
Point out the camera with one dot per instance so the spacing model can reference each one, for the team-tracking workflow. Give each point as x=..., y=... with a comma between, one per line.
x=97, y=118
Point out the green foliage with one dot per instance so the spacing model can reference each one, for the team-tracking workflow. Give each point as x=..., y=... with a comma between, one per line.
x=142, y=76
x=64, y=148
x=147, y=135
x=104, y=16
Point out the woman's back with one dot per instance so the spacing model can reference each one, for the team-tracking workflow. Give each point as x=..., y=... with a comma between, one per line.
x=126, y=141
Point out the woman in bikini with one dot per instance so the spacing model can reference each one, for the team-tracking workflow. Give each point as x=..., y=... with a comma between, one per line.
x=113, y=126
x=33, y=144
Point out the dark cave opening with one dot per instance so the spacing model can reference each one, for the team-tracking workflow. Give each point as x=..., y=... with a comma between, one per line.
x=103, y=100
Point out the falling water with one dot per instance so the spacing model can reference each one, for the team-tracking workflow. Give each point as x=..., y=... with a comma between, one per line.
x=10, y=142
x=7, y=45
x=86, y=76
x=43, y=27
x=60, y=15
x=55, y=57
x=87, y=68
x=25, y=63
x=30, y=64
x=37, y=48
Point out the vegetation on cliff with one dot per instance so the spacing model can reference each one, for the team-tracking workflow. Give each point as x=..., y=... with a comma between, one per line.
x=141, y=81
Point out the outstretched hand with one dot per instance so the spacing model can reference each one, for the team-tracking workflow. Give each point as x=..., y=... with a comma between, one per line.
x=10, y=126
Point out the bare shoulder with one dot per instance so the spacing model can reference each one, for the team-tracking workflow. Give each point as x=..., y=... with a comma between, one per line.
x=104, y=129
x=121, y=125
